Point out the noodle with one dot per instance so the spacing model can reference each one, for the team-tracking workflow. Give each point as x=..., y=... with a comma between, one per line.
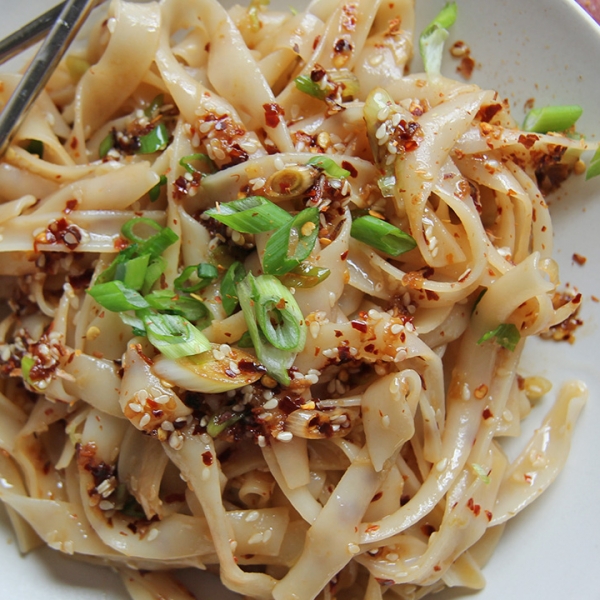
x=316, y=417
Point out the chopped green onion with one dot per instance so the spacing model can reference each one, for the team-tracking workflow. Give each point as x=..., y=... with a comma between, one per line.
x=186, y=163
x=173, y=336
x=328, y=165
x=127, y=229
x=278, y=314
x=35, y=147
x=27, y=363
x=253, y=214
x=594, y=166
x=256, y=297
x=217, y=425
x=133, y=272
x=77, y=66
x=245, y=341
x=291, y=243
x=157, y=139
x=106, y=144
x=136, y=324
x=386, y=185
x=305, y=276
x=157, y=244
x=551, y=118
x=481, y=472
x=172, y=303
x=381, y=235
x=154, y=192
x=155, y=269
x=431, y=41
x=117, y=297
x=506, y=334
x=205, y=272
x=305, y=84
x=154, y=106
x=228, y=291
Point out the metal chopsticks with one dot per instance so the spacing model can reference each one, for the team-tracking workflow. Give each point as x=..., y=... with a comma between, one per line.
x=70, y=17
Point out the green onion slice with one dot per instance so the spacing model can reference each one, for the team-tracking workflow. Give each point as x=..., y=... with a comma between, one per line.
x=173, y=336
x=305, y=84
x=431, y=41
x=205, y=273
x=27, y=363
x=278, y=314
x=386, y=185
x=154, y=192
x=127, y=229
x=305, y=276
x=133, y=272
x=172, y=303
x=253, y=214
x=481, y=472
x=117, y=297
x=506, y=335
x=186, y=163
x=381, y=235
x=291, y=243
x=35, y=147
x=156, y=140
x=155, y=269
x=257, y=297
x=136, y=324
x=217, y=423
x=245, y=341
x=228, y=291
x=328, y=165
x=593, y=169
x=154, y=106
x=106, y=144
x=551, y=118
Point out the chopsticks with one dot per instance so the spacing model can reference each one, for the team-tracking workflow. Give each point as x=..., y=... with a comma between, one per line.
x=64, y=21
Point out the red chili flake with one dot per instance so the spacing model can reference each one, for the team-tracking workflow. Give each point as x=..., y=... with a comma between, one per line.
x=247, y=366
x=338, y=333
x=70, y=206
x=344, y=255
x=369, y=348
x=207, y=458
x=377, y=496
x=488, y=112
x=349, y=167
x=488, y=514
x=316, y=42
x=60, y=231
x=437, y=568
x=359, y=326
x=74, y=143
x=404, y=499
x=372, y=529
x=432, y=295
x=579, y=259
x=487, y=413
x=528, y=140
x=466, y=66
x=273, y=114
x=342, y=45
x=230, y=373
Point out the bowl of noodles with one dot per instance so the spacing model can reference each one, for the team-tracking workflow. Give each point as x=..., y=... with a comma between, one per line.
x=302, y=303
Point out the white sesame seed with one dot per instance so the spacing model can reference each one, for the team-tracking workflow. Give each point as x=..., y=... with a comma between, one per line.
x=167, y=426
x=441, y=465
x=135, y=407
x=397, y=328
x=385, y=421
x=267, y=535
x=176, y=441
x=381, y=132
x=253, y=515
x=278, y=163
x=144, y=420
x=507, y=416
x=257, y=538
x=153, y=534
x=106, y=505
x=262, y=442
x=391, y=557
x=353, y=548
x=162, y=399
x=285, y=436
x=271, y=404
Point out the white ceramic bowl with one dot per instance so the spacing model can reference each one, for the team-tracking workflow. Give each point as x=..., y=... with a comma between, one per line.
x=543, y=49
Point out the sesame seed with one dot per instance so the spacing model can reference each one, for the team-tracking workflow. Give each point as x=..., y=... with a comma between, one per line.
x=176, y=441
x=106, y=505
x=267, y=535
x=144, y=420
x=381, y=132
x=271, y=404
x=162, y=399
x=253, y=515
x=397, y=328
x=353, y=548
x=278, y=163
x=441, y=465
x=152, y=534
x=385, y=421
x=167, y=426
x=257, y=538
x=391, y=557
x=285, y=436
x=262, y=442
x=135, y=407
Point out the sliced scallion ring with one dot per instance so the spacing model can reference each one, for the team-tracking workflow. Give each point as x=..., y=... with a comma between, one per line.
x=381, y=235
x=552, y=118
x=173, y=336
x=331, y=168
x=154, y=141
x=431, y=41
x=253, y=214
x=203, y=274
x=506, y=335
x=228, y=291
x=117, y=297
x=187, y=163
x=305, y=84
x=292, y=243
